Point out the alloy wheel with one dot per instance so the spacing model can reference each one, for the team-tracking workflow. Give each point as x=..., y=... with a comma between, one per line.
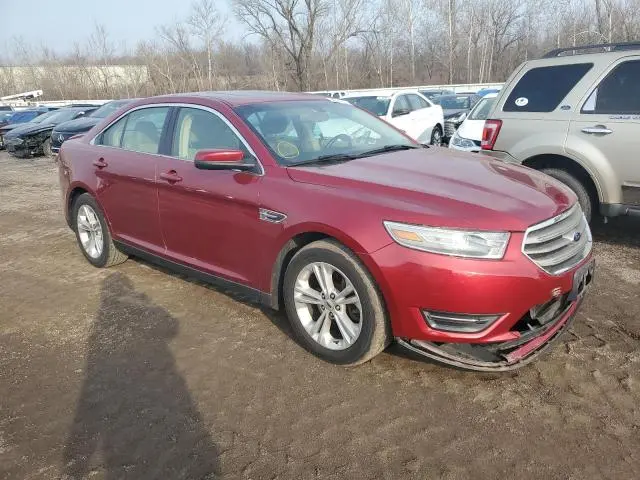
x=328, y=306
x=90, y=231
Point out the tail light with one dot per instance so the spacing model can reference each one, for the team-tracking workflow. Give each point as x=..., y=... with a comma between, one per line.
x=490, y=133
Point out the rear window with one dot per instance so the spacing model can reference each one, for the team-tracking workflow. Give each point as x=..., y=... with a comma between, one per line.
x=542, y=89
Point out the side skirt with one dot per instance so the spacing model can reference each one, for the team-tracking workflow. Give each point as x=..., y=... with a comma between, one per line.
x=250, y=294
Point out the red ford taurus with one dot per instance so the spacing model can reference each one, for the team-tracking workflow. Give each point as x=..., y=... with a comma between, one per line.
x=321, y=209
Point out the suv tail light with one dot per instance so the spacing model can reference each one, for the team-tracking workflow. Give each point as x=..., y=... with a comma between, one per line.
x=490, y=133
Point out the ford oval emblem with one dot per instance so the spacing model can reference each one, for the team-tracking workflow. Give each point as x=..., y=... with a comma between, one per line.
x=577, y=236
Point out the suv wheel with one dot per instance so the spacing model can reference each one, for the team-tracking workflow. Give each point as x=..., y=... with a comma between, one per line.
x=584, y=197
x=92, y=233
x=333, y=305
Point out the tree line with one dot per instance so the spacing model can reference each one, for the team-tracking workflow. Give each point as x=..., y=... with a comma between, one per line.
x=320, y=45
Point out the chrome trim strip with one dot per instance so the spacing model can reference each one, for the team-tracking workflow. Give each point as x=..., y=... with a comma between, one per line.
x=185, y=105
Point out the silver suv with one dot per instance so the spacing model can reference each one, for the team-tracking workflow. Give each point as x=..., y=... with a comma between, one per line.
x=575, y=115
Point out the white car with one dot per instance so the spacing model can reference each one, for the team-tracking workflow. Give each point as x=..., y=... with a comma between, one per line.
x=407, y=110
x=469, y=134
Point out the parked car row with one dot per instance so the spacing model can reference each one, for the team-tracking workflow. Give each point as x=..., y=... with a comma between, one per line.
x=407, y=110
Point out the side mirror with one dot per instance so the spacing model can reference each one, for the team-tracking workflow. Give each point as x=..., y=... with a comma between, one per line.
x=400, y=112
x=222, y=160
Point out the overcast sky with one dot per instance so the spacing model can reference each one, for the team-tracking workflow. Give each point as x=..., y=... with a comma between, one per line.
x=59, y=23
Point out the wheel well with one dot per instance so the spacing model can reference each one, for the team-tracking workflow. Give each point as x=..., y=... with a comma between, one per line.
x=283, y=259
x=75, y=193
x=540, y=162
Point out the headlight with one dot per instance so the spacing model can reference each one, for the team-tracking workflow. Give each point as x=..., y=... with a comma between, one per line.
x=458, y=118
x=462, y=142
x=460, y=243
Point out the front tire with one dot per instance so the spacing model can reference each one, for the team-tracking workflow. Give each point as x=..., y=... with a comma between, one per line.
x=46, y=148
x=436, y=136
x=92, y=233
x=334, y=306
x=586, y=200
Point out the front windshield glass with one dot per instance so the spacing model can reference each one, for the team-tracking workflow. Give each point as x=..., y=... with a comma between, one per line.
x=60, y=116
x=482, y=109
x=306, y=131
x=44, y=116
x=376, y=105
x=452, y=102
x=108, y=108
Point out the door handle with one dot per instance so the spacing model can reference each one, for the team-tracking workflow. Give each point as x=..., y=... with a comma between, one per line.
x=171, y=176
x=598, y=129
x=100, y=163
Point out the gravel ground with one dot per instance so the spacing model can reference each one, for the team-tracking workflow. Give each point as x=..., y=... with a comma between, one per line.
x=136, y=373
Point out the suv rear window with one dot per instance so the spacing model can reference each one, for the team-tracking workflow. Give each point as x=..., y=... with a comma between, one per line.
x=542, y=89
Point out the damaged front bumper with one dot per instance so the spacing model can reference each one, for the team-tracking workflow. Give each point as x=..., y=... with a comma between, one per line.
x=537, y=331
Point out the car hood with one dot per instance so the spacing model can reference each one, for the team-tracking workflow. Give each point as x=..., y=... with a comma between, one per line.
x=11, y=126
x=79, y=125
x=448, y=112
x=29, y=129
x=443, y=188
x=471, y=129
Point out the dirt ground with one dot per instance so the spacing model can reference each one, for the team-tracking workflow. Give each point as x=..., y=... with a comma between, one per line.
x=135, y=373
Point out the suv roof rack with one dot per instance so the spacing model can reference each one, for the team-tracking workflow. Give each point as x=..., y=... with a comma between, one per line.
x=607, y=47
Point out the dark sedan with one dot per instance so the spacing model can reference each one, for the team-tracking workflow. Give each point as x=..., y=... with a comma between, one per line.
x=11, y=120
x=34, y=138
x=66, y=130
x=455, y=109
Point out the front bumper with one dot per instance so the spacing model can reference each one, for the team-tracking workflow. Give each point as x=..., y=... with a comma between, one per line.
x=413, y=282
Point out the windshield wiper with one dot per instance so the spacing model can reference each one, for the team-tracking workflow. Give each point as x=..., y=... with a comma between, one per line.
x=336, y=157
x=385, y=149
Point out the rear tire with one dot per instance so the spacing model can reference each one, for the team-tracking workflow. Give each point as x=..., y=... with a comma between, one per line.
x=585, y=198
x=362, y=315
x=92, y=233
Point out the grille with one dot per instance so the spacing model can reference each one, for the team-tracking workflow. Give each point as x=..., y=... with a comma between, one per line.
x=560, y=243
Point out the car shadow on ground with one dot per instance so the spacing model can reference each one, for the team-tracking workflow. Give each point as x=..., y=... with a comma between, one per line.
x=624, y=231
x=135, y=417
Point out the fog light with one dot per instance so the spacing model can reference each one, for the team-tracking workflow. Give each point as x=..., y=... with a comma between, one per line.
x=458, y=322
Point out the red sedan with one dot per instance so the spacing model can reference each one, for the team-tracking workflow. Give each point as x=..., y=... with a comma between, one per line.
x=319, y=208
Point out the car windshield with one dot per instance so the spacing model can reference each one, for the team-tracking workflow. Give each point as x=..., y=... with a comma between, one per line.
x=108, y=108
x=300, y=132
x=376, y=105
x=58, y=116
x=44, y=117
x=482, y=108
x=452, y=102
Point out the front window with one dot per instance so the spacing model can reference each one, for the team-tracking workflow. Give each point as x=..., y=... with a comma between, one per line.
x=376, y=105
x=198, y=129
x=482, y=109
x=60, y=116
x=307, y=131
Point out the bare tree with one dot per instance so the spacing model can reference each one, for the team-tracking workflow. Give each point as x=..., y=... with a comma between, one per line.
x=207, y=24
x=287, y=24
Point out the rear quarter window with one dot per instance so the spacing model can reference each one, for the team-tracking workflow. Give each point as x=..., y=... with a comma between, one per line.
x=542, y=89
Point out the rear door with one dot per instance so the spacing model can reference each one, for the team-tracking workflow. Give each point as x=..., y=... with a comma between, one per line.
x=125, y=168
x=210, y=218
x=605, y=130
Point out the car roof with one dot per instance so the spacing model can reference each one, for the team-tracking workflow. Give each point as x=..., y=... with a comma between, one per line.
x=491, y=95
x=238, y=97
x=381, y=94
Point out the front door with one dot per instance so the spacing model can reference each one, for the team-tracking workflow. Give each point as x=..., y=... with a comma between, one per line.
x=125, y=168
x=209, y=218
x=606, y=128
